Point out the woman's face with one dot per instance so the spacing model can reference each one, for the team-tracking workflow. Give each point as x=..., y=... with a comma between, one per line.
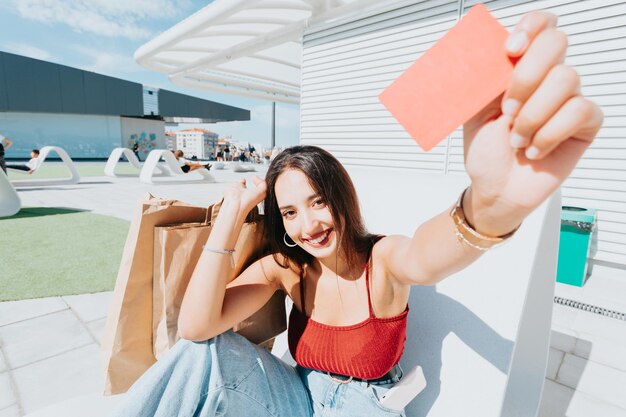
x=306, y=217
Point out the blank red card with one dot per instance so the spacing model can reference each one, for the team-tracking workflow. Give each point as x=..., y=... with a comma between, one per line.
x=452, y=81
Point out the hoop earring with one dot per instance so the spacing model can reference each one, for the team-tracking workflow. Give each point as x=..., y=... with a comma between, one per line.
x=288, y=244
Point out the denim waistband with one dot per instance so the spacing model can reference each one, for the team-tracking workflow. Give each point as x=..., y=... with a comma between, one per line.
x=393, y=376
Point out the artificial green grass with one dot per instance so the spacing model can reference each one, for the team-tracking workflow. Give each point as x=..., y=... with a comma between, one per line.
x=85, y=169
x=54, y=251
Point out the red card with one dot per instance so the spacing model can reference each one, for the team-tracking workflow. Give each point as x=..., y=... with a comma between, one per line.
x=452, y=81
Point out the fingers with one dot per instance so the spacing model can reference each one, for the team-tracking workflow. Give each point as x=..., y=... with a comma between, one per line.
x=578, y=119
x=546, y=51
x=256, y=180
x=527, y=29
x=561, y=84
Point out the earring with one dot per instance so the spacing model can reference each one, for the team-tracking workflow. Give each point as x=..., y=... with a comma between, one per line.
x=289, y=244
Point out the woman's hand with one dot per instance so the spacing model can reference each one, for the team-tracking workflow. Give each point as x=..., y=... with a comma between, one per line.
x=244, y=199
x=522, y=146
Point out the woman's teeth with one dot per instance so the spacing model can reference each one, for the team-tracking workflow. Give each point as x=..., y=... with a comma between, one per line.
x=320, y=239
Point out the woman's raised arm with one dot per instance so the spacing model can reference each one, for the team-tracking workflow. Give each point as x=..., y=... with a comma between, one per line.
x=517, y=151
x=208, y=307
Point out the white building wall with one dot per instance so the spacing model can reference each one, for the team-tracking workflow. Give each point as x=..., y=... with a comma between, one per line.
x=347, y=64
x=149, y=134
x=150, y=101
x=199, y=144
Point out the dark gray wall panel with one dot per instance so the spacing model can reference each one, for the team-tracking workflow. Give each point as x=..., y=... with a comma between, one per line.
x=116, y=102
x=173, y=104
x=95, y=93
x=47, y=87
x=3, y=86
x=124, y=97
x=21, y=93
x=39, y=86
x=133, y=99
x=31, y=85
x=72, y=90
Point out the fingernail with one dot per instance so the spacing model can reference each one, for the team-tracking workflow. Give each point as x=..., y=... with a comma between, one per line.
x=518, y=141
x=532, y=153
x=516, y=42
x=510, y=106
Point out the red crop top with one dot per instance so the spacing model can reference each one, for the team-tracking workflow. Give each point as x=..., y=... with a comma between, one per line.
x=366, y=350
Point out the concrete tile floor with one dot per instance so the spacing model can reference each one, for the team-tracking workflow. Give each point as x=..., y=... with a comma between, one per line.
x=51, y=354
x=49, y=348
x=585, y=375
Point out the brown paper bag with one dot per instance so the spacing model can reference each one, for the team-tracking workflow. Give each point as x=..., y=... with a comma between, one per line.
x=177, y=250
x=127, y=338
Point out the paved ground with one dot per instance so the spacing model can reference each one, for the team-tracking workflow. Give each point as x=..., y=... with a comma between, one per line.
x=49, y=348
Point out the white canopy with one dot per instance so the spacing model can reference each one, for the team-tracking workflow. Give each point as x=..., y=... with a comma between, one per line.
x=244, y=47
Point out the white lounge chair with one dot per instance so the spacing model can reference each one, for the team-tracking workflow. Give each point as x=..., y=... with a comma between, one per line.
x=10, y=202
x=114, y=159
x=147, y=171
x=74, y=177
x=239, y=167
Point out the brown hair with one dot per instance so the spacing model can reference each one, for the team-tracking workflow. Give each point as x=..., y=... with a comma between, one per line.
x=331, y=181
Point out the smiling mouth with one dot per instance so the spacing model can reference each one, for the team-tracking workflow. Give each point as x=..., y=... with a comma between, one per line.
x=321, y=240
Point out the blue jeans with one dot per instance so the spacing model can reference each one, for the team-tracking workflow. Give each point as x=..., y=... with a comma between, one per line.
x=229, y=376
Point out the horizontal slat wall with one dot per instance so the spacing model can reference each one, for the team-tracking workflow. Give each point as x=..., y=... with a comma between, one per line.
x=347, y=65
x=597, y=49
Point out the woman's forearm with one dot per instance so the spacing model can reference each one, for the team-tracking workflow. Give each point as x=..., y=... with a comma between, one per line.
x=436, y=247
x=203, y=300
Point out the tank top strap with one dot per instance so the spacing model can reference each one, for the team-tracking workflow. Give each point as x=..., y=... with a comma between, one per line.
x=367, y=285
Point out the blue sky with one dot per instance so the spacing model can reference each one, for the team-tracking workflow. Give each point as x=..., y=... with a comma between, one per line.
x=102, y=35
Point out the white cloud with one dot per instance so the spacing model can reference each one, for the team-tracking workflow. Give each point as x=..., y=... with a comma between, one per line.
x=112, y=18
x=108, y=63
x=27, y=50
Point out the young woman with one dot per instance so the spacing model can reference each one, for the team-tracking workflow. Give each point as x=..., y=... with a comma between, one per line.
x=29, y=166
x=350, y=289
x=187, y=166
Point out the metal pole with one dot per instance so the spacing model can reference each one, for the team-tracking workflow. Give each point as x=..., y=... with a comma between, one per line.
x=273, y=144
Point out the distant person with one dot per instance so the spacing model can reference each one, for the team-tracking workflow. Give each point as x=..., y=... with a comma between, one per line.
x=5, y=143
x=226, y=153
x=136, y=150
x=28, y=166
x=275, y=153
x=219, y=155
x=187, y=166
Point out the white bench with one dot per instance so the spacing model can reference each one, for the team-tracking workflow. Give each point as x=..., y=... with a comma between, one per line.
x=10, y=202
x=114, y=159
x=74, y=177
x=148, y=170
x=241, y=167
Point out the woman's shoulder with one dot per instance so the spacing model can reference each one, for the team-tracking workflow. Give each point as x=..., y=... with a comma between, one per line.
x=278, y=267
x=387, y=243
x=384, y=249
